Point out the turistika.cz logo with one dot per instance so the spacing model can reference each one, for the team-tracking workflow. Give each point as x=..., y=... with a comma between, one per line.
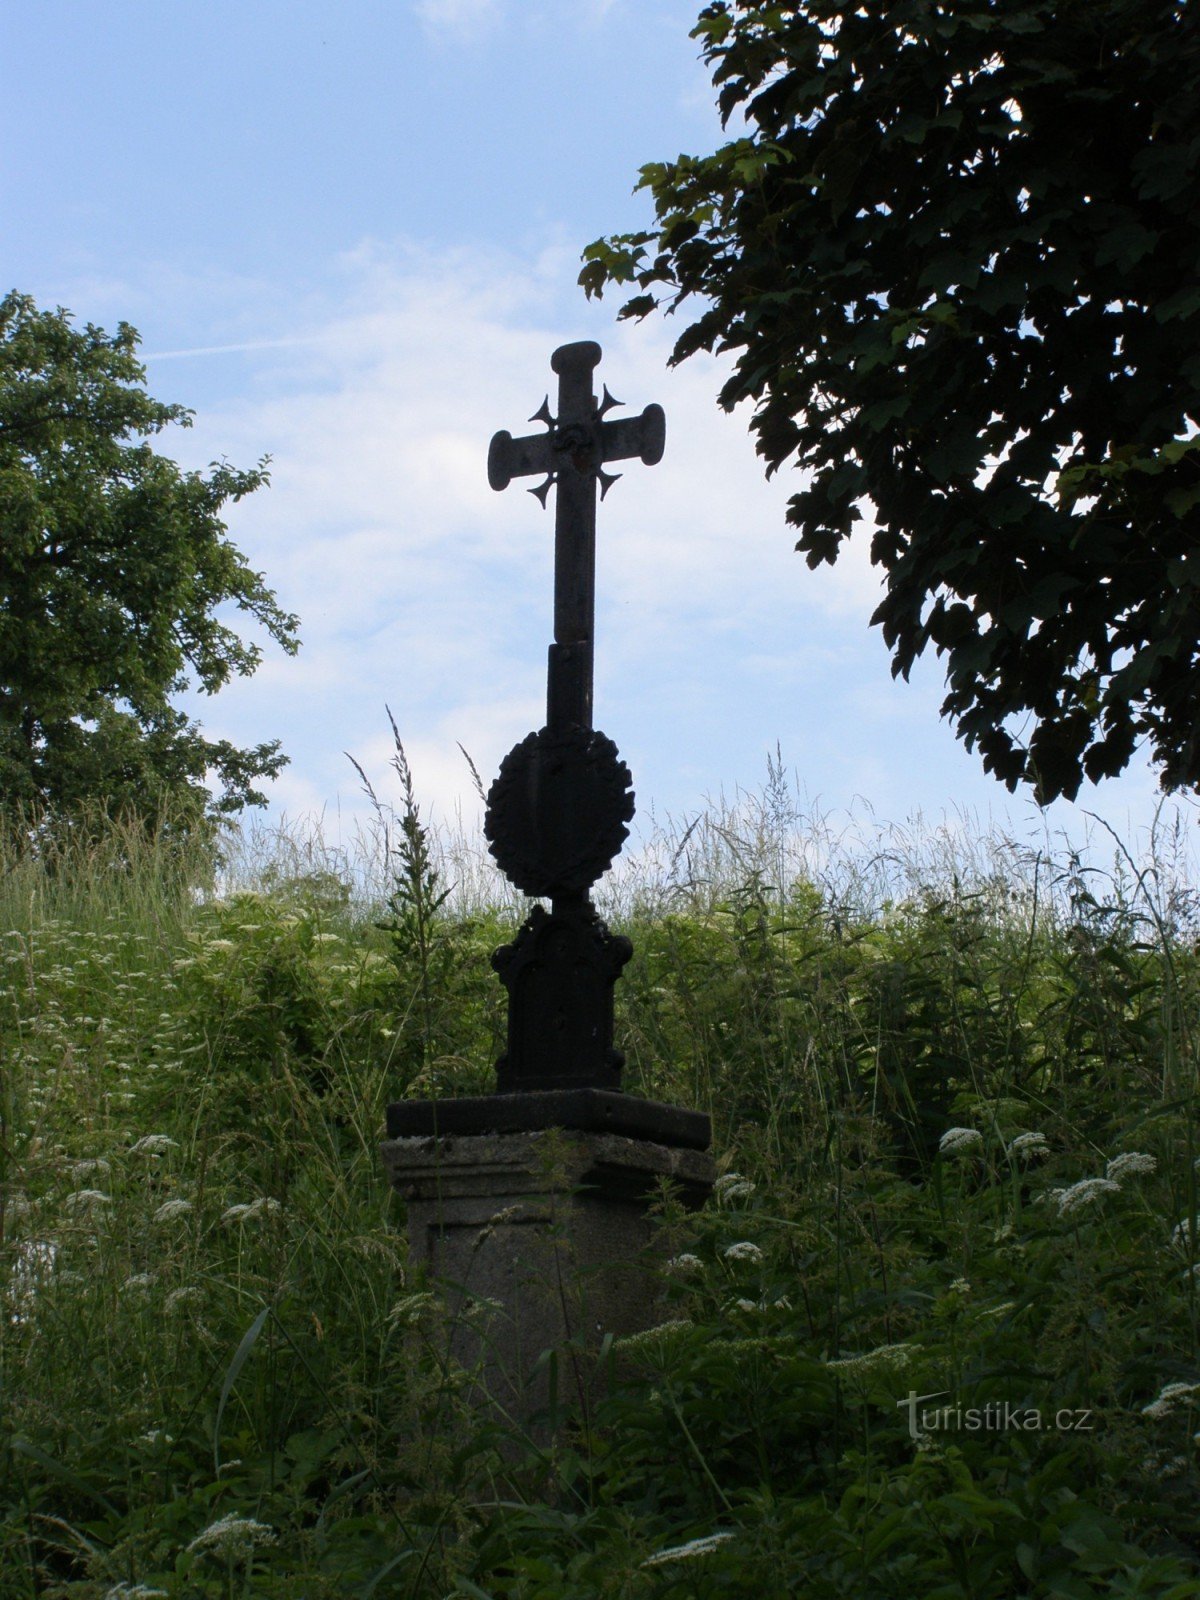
x=997, y=1416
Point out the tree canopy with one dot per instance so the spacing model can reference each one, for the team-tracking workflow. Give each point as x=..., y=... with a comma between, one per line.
x=112, y=564
x=955, y=248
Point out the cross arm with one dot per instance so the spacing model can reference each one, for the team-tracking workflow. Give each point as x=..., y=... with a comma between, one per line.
x=580, y=433
x=510, y=458
x=622, y=438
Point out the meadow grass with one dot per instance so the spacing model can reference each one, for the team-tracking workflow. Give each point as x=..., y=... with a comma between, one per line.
x=953, y=1086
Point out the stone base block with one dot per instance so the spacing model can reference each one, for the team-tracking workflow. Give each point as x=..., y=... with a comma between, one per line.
x=539, y=1239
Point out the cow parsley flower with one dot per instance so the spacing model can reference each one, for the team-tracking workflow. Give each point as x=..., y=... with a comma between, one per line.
x=153, y=1144
x=231, y=1534
x=1173, y=1394
x=689, y=1551
x=685, y=1263
x=1029, y=1145
x=84, y=1169
x=181, y=1297
x=732, y=1186
x=956, y=1140
x=1129, y=1163
x=1082, y=1194
x=743, y=1250
x=886, y=1358
x=659, y=1334
x=172, y=1208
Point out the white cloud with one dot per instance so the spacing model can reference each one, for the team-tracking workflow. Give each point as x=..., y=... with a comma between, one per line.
x=458, y=19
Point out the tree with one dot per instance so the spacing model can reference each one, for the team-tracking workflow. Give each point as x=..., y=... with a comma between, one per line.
x=956, y=250
x=112, y=564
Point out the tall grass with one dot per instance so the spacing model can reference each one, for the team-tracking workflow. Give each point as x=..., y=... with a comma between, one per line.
x=953, y=1085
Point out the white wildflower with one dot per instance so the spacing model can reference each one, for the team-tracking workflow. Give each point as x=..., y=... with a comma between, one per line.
x=685, y=1263
x=960, y=1286
x=886, y=1358
x=84, y=1169
x=35, y=1262
x=649, y=1337
x=87, y=1200
x=1029, y=1145
x=1182, y=1233
x=689, y=1551
x=956, y=1140
x=232, y=1533
x=1173, y=1394
x=326, y=938
x=153, y=1144
x=732, y=1186
x=172, y=1208
x=1082, y=1194
x=219, y=944
x=1130, y=1163
x=181, y=1297
x=746, y=1305
x=140, y=1280
x=743, y=1250
x=134, y=1591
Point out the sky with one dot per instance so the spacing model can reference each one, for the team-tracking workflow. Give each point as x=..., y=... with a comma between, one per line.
x=349, y=237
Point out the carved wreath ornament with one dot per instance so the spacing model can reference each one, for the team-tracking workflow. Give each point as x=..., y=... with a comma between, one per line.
x=557, y=813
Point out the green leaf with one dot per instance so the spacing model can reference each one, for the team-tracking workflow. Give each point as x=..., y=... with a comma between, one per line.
x=22, y=1447
x=243, y=1350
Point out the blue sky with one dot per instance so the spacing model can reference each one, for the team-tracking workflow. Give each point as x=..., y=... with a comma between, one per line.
x=349, y=237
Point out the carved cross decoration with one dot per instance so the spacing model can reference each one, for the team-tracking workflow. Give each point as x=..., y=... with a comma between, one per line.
x=556, y=815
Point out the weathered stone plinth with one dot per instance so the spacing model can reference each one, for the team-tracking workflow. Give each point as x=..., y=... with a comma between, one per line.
x=542, y=1239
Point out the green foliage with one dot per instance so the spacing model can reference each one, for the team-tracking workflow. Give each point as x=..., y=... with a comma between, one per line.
x=441, y=961
x=112, y=566
x=219, y=1376
x=954, y=253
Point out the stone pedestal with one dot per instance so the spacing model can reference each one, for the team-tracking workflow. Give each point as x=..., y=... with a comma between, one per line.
x=540, y=1239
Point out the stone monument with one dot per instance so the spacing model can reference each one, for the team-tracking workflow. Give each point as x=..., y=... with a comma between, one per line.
x=534, y=1200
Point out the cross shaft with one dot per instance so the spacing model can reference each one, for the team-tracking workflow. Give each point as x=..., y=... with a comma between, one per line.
x=571, y=454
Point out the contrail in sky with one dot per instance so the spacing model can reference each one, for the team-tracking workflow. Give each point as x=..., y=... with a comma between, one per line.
x=227, y=349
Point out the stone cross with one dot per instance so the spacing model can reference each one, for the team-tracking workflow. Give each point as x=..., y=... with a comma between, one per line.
x=571, y=455
x=555, y=820
x=556, y=815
